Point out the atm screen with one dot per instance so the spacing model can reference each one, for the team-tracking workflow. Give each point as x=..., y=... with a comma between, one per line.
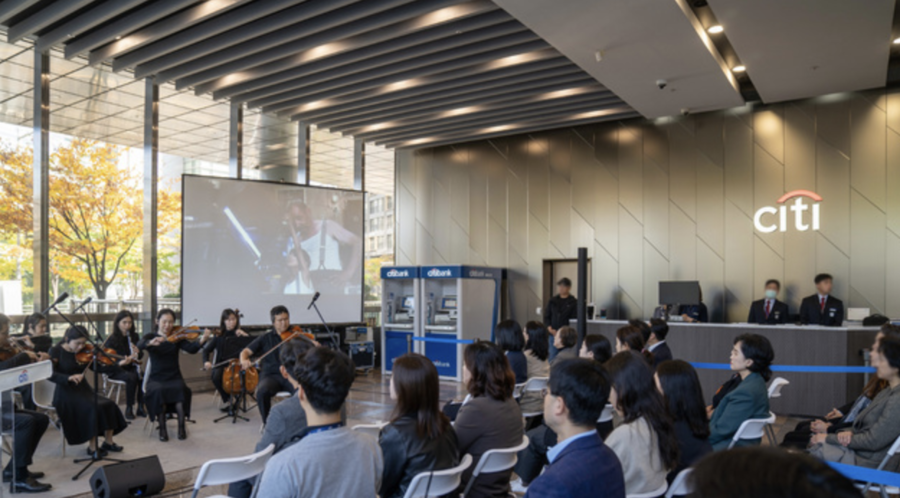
x=448, y=303
x=408, y=303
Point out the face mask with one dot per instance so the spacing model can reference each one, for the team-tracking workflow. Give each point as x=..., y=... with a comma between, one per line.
x=771, y=294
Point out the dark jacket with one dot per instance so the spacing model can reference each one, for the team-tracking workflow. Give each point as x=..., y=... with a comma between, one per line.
x=811, y=314
x=519, y=365
x=563, y=354
x=487, y=424
x=560, y=311
x=586, y=467
x=698, y=312
x=750, y=399
x=778, y=313
x=407, y=455
x=690, y=448
x=661, y=353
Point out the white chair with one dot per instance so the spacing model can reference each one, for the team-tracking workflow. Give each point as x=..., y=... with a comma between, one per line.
x=607, y=414
x=496, y=461
x=681, y=486
x=279, y=396
x=754, y=428
x=373, y=430
x=229, y=470
x=775, y=392
x=437, y=482
x=518, y=390
x=535, y=384
x=879, y=488
x=42, y=393
x=113, y=385
x=651, y=494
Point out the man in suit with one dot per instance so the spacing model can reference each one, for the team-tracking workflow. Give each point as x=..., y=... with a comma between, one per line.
x=580, y=464
x=822, y=308
x=656, y=344
x=561, y=309
x=769, y=311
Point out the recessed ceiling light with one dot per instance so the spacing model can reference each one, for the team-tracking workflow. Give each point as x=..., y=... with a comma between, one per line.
x=896, y=41
x=715, y=29
x=119, y=37
x=739, y=69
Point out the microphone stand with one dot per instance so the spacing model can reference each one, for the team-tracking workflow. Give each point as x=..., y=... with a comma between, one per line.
x=334, y=341
x=98, y=351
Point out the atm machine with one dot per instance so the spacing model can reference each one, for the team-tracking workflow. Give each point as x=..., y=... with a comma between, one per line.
x=399, y=297
x=459, y=302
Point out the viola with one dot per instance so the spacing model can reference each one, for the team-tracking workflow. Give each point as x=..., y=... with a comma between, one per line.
x=178, y=334
x=86, y=355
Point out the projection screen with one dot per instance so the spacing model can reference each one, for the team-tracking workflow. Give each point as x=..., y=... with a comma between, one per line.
x=253, y=245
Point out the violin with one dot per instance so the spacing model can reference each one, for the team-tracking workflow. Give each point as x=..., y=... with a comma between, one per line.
x=187, y=332
x=86, y=355
x=295, y=331
x=9, y=351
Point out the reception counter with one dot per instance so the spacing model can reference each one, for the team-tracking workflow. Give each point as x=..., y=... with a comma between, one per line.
x=808, y=394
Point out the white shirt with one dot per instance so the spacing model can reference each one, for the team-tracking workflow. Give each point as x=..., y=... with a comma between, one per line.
x=651, y=348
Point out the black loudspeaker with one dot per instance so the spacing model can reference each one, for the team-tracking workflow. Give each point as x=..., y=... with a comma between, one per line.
x=141, y=477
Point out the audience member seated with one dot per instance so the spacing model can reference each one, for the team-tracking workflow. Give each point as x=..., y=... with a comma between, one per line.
x=678, y=382
x=330, y=459
x=643, y=326
x=537, y=349
x=751, y=358
x=419, y=437
x=512, y=341
x=565, y=341
x=876, y=428
x=842, y=418
x=656, y=345
x=768, y=473
x=580, y=464
x=489, y=419
x=645, y=441
x=629, y=338
x=596, y=347
x=287, y=420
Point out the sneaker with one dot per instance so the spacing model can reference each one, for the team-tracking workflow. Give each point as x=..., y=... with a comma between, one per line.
x=517, y=486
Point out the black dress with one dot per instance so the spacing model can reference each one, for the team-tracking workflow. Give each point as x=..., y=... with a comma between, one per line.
x=129, y=373
x=74, y=403
x=165, y=385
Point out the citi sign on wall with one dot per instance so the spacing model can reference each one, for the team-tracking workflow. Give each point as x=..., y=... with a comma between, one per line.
x=805, y=215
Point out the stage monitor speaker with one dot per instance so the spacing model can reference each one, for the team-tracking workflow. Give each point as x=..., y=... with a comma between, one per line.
x=140, y=477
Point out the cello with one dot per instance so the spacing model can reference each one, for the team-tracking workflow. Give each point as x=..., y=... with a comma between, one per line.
x=231, y=376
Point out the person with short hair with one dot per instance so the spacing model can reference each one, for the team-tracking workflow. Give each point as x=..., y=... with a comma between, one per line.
x=751, y=359
x=656, y=344
x=629, y=338
x=512, y=341
x=768, y=473
x=580, y=464
x=565, y=341
x=822, y=308
x=419, y=437
x=271, y=382
x=330, y=459
x=769, y=310
x=680, y=386
x=596, y=347
x=561, y=309
x=489, y=418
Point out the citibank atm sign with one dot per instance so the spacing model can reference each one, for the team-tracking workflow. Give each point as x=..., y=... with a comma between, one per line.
x=771, y=218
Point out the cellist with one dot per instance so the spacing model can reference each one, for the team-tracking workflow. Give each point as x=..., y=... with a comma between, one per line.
x=230, y=326
x=271, y=382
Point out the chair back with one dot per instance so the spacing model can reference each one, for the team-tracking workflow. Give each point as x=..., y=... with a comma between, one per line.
x=373, y=430
x=776, y=385
x=518, y=390
x=536, y=384
x=497, y=460
x=229, y=470
x=42, y=391
x=438, y=482
x=753, y=428
x=652, y=494
x=891, y=452
x=681, y=486
x=146, y=376
x=607, y=414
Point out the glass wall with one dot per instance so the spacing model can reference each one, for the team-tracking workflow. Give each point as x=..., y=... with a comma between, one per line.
x=379, y=221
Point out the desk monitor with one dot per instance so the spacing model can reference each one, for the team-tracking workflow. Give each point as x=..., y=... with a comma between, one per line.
x=684, y=292
x=448, y=303
x=407, y=303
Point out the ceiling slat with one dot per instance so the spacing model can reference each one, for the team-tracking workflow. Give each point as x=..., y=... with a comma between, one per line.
x=42, y=18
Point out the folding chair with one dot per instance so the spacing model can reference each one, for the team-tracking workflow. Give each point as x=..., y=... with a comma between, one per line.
x=496, y=461
x=681, y=486
x=775, y=392
x=373, y=430
x=229, y=470
x=534, y=384
x=607, y=414
x=753, y=428
x=437, y=482
x=113, y=385
x=42, y=392
x=880, y=488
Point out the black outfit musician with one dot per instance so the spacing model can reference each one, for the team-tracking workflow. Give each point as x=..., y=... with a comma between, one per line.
x=216, y=352
x=30, y=427
x=74, y=397
x=124, y=341
x=165, y=390
x=271, y=382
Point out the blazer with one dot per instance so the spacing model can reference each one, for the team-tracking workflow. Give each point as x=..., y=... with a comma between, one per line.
x=563, y=354
x=810, y=313
x=406, y=455
x=661, y=353
x=586, y=467
x=483, y=424
x=750, y=399
x=636, y=446
x=778, y=313
x=875, y=429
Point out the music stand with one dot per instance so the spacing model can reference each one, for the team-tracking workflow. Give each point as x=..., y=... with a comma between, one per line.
x=238, y=403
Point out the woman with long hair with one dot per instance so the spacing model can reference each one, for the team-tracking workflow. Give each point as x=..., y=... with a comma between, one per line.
x=512, y=341
x=419, y=437
x=230, y=327
x=489, y=418
x=537, y=349
x=36, y=333
x=680, y=386
x=74, y=397
x=645, y=441
x=630, y=338
x=123, y=340
x=166, y=390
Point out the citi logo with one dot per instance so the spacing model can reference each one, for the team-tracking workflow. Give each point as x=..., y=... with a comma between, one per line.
x=434, y=272
x=397, y=273
x=764, y=222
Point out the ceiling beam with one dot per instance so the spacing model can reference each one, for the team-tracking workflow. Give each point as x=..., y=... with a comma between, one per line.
x=11, y=8
x=42, y=18
x=79, y=24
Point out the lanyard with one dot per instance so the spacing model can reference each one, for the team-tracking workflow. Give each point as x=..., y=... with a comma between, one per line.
x=325, y=428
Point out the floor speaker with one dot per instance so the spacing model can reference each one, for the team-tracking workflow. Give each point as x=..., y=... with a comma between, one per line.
x=141, y=477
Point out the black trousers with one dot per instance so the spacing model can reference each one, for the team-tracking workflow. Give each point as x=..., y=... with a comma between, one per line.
x=268, y=387
x=133, y=391
x=217, y=374
x=27, y=399
x=534, y=457
x=30, y=427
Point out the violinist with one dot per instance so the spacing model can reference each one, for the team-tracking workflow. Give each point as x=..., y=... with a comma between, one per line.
x=35, y=333
x=230, y=326
x=30, y=425
x=123, y=340
x=74, y=397
x=166, y=390
x=271, y=382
